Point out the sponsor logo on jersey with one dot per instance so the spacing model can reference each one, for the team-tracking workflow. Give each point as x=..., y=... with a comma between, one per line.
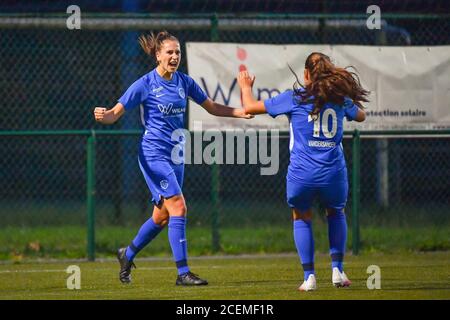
x=169, y=110
x=165, y=108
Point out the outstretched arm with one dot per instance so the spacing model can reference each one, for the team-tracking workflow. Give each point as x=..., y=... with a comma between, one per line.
x=251, y=105
x=109, y=116
x=220, y=110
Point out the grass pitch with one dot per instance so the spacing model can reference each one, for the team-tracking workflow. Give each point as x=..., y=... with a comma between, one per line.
x=268, y=277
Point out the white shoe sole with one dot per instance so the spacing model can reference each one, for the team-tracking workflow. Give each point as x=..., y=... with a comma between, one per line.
x=343, y=284
x=306, y=290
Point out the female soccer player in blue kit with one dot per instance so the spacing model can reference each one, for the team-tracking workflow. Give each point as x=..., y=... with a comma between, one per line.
x=163, y=92
x=317, y=163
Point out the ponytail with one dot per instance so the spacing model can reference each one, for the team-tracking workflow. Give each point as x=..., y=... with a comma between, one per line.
x=329, y=83
x=151, y=44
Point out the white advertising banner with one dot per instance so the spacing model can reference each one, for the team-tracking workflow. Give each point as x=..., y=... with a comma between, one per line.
x=410, y=86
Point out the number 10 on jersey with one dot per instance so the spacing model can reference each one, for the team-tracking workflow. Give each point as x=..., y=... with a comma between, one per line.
x=323, y=120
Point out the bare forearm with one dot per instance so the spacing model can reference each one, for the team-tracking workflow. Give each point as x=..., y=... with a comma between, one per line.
x=247, y=97
x=109, y=116
x=222, y=111
x=251, y=105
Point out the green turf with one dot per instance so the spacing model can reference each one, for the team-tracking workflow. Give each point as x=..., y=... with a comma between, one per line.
x=19, y=244
x=403, y=276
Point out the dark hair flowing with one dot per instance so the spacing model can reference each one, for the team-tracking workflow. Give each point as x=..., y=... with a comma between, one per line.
x=329, y=83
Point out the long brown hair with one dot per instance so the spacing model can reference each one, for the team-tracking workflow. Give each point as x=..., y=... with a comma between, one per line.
x=329, y=83
x=151, y=44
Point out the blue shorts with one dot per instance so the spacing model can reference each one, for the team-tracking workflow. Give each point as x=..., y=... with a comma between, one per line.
x=164, y=179
x=300, y=196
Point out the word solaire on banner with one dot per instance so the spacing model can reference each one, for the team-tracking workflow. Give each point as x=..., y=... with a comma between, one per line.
x=410, y=86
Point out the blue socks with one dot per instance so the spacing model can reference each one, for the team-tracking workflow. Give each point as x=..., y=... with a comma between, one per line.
x=337, y=235
x=304, y=242
x=177, y=239
x=147, y=232
x=178, y=243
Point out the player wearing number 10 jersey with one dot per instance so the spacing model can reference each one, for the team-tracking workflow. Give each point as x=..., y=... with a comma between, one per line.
x=317, y=164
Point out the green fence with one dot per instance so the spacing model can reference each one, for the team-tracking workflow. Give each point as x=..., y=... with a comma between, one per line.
x=52, y=77
x=220, y=210
x=56, y=75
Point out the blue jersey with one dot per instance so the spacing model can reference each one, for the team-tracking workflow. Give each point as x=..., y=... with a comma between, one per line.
x=164, y=107
x=317, y=157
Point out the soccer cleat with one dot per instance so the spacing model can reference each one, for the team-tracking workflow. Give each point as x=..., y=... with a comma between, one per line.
x=190, y=279
x=309, y=284
x=340, y=279
x=125, y=266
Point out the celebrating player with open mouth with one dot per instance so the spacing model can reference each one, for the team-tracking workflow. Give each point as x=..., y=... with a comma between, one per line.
x=163, y=92
x=317, y=163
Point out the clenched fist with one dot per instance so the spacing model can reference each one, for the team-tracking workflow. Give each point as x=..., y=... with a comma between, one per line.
x=99, y=114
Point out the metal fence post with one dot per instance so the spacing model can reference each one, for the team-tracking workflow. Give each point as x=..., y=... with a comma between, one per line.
x=215, y=170
x=214, y=28
x=215, y=189
x=356, y=165
x=90, y=193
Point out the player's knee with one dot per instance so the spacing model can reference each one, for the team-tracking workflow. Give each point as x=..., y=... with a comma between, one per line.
x=163, y=222
x=182, y=210
x=160, y=216
x=332, y=211
x=305, y=215
x=179, y=208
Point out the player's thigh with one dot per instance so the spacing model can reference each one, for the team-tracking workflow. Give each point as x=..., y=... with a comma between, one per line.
x=334, y=196
x=299, y=195
x=176, y=204
x=163, y=179
x=179, y=173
